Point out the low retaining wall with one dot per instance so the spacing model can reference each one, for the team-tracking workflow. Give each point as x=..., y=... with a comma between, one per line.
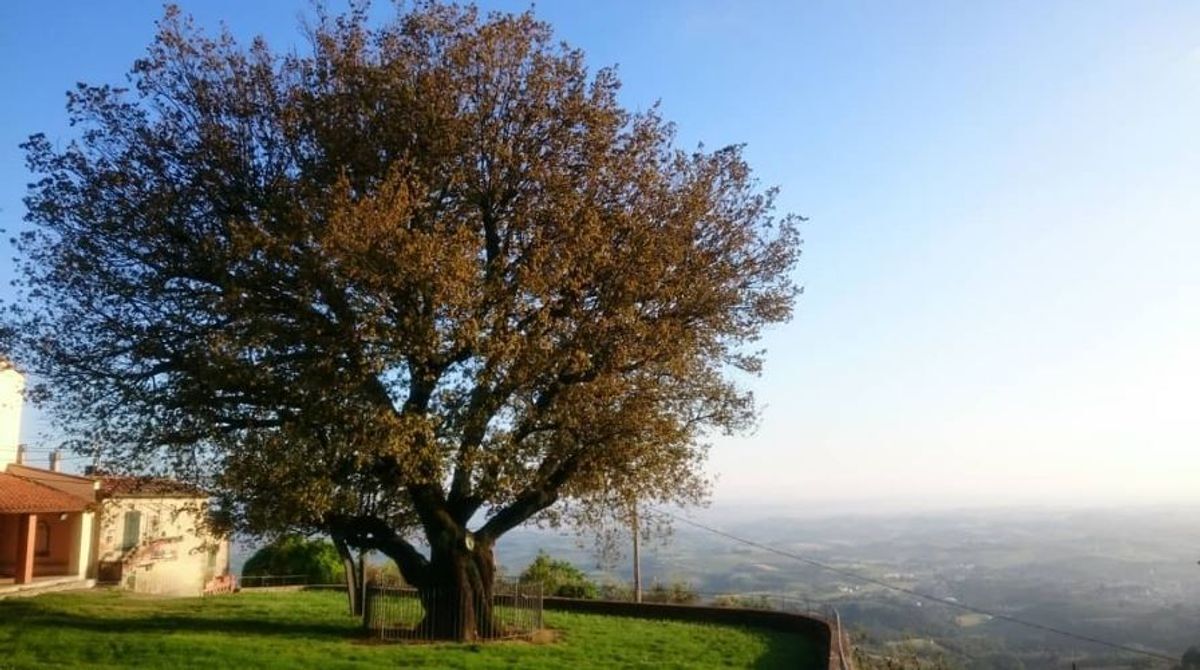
x=813, y=627
x=832, y=640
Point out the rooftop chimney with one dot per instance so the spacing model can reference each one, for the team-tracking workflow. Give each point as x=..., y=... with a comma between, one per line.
x=55, y=460
x=12, y=386
x=20, y=459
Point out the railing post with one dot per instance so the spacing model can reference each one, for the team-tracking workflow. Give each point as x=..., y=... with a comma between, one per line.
x=367, y=608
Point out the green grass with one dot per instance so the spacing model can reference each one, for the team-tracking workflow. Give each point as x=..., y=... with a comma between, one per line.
x=116, y=629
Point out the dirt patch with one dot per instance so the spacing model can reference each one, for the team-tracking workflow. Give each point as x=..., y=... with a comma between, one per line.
x=537, y=637
x=545, y=636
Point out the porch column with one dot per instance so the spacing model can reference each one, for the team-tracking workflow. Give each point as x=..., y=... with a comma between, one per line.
x=81, y=548
x=26, y=538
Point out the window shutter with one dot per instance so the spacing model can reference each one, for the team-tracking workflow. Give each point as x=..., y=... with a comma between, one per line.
x=133, y=530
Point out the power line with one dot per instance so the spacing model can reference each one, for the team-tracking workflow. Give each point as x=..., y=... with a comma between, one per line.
x=924, y=596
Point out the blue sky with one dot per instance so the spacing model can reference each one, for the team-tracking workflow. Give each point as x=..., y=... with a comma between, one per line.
x=1002, y=293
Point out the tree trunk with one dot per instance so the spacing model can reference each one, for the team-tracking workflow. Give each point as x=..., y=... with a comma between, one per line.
x=457, y=593
x=354, y=575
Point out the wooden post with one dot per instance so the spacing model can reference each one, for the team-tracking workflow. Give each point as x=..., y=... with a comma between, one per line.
x=637, y=559
x=26, y=539
x=367, y=608
x=362, y=578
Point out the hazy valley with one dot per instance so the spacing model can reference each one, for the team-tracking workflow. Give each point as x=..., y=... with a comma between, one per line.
x=1126, y=576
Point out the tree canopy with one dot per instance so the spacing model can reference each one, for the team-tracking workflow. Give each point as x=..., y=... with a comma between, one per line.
x=427, y=279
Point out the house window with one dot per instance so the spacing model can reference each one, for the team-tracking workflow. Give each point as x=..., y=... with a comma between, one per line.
x=133, y=530
x=41, y=539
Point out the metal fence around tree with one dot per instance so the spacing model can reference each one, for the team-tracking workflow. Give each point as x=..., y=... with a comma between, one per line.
x=398, y=612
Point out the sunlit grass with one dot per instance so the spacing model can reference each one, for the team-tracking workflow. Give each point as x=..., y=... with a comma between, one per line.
x=116, y=629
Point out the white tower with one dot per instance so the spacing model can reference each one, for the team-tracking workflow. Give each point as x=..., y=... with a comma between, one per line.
x=12, y=387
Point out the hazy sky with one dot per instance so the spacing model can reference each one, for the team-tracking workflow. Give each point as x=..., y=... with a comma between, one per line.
x=1002, y=267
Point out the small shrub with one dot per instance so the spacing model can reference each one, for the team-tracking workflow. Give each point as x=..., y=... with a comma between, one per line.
x=748, y=602
x=384, y=574
x=316, y=560
x=559, y=578
x=1191, y=659
x=677, y=592
x=616, y=591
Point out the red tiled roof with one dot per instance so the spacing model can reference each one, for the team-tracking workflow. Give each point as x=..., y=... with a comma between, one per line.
x=19, y=495
x=72, y=485
x=113, y=486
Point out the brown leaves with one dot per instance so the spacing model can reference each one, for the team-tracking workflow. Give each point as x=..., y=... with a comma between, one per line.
x=435, y=255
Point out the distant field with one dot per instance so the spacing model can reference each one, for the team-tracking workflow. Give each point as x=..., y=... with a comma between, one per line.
x=114, y=629
x=969, y=620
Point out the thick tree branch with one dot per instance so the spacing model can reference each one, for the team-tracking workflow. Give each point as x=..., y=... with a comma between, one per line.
x=370, y=532
x=533, y=500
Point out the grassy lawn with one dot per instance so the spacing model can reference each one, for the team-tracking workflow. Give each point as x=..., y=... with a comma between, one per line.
x=115, y=629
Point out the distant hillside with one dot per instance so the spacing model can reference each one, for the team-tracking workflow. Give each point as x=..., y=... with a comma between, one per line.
x=1124, y=575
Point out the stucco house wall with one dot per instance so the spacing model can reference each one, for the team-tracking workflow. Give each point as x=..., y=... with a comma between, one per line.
x=158, y=545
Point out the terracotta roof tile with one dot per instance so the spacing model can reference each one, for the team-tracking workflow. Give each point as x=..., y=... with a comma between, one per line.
x=19, y=495
x=114, y=486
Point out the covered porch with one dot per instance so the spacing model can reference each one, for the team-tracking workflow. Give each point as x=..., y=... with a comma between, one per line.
x=44, y=533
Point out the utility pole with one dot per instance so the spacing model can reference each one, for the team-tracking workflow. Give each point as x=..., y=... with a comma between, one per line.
x=637, y=558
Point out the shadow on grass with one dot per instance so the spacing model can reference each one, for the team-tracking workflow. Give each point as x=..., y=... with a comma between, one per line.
x=31, y=615
x=784, y=650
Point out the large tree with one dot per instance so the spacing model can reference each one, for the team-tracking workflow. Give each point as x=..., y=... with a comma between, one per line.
x=415, y=286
